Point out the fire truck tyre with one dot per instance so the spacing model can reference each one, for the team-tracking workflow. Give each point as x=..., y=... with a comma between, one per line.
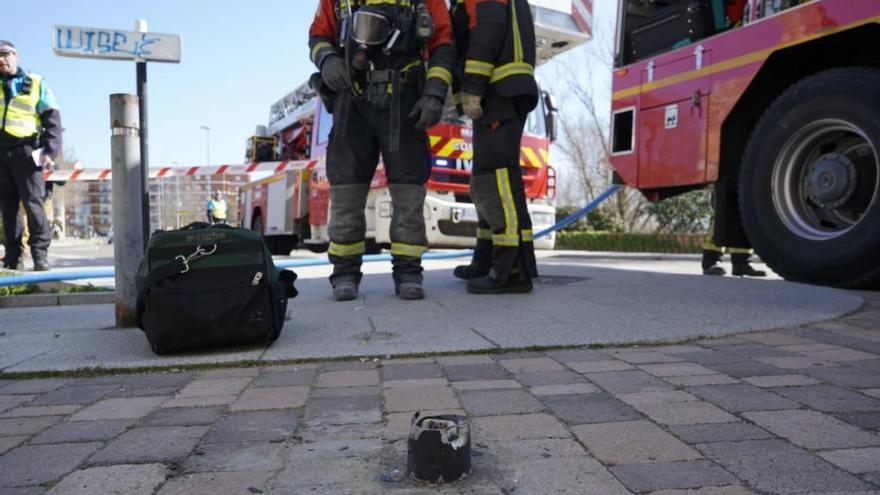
x=809, y=188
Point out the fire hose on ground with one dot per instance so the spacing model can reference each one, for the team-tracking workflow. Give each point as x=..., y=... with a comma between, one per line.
x=37, y=278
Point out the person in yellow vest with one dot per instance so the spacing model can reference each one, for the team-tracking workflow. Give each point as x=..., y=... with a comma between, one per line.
x=217, y=208
x=30, y=122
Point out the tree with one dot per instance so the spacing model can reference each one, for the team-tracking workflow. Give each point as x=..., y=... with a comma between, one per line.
x=688, y=213
x=585, y=143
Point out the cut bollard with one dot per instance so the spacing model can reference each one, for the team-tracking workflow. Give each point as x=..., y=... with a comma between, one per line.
x=439, y=448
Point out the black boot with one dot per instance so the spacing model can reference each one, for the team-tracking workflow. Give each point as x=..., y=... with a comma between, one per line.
x=516, y=283
x=41, y=263
x=742, y=268
x=710, y=263
x=480, y=264
x=13, y=264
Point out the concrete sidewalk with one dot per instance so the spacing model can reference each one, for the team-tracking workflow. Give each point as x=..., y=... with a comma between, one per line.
x=791, y=411
x=577, y=301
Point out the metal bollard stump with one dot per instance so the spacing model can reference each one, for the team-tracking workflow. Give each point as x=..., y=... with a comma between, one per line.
x=439, y=448
x=128, y=245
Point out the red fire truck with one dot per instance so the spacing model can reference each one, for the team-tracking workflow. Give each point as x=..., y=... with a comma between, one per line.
x=779, y=97
x=291, y=208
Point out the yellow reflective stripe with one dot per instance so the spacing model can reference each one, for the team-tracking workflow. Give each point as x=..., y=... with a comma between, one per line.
x=517, y=40
x=544, y=155
x=411, y=65
x=534, y=161
x=451, y=146
x=318, y=47
x=402, y=3
x=708, y=245
x=353, y=249
x=440, y=73
x=479, y=68
x=511, y=221
x=734, y=250
x=27, y=126
x=505, y=240
x=484, y=233
x=401, y=249
x=511, y=69
x=527, y=235
x=23, y=106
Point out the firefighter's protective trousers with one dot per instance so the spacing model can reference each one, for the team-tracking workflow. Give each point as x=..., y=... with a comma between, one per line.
x=498, y=191
x=360, y=133
x=727, y=229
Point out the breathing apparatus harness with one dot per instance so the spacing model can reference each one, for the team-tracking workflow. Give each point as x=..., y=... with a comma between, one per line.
x=371, y=34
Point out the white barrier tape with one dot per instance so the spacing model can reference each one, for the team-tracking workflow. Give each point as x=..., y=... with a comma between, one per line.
x=100, y=174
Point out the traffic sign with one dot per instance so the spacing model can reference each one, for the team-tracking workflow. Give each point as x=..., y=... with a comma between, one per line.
x=76, y=41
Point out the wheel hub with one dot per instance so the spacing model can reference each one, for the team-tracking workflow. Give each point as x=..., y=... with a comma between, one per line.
x=831, y=180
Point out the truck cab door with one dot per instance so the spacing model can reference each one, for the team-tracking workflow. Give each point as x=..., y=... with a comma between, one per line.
x=672, y=120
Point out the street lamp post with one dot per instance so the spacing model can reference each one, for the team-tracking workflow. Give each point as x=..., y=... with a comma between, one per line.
x=207, y=144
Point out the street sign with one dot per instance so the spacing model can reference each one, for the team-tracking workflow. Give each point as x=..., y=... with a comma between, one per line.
x=75, y=41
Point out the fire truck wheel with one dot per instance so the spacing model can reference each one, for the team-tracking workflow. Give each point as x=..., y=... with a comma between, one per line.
x=809, y=189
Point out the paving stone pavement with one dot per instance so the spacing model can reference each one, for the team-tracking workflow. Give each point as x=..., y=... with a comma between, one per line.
x=792, y=411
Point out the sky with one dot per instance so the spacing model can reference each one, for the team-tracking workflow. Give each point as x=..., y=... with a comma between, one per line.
x=238, y=58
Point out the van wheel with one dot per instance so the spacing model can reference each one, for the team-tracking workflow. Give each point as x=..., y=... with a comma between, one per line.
x=809, y=189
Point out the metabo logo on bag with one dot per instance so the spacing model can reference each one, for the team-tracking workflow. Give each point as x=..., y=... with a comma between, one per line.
x=212, y=236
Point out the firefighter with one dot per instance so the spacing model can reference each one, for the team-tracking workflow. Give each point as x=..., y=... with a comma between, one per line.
x=727, y=234
x=31, y=121
x=217, y=208
x=495, y=86
x=374, y=80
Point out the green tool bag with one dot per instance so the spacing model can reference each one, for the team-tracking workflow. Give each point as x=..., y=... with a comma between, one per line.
x=208, y=286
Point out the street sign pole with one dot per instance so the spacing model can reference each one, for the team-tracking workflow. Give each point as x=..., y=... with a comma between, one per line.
x=139, y=46
x=141, y=26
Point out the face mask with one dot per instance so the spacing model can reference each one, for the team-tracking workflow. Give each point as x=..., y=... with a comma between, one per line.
x=370, y=28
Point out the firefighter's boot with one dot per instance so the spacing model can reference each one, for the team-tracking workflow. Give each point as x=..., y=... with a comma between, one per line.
x=742, y=268
x=41, y=262
x=481, y=262
x=347, y=229
x=409, y=291
x=345, y=291
x=711, y=259
x=490, y=284
x=408, y=239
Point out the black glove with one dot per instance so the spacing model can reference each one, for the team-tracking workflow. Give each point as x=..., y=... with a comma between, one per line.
x=428, y=110
x=335, y=73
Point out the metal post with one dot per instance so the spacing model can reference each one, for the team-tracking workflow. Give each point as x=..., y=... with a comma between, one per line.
x=127, y=211
x=141, y=26
x=144, y=152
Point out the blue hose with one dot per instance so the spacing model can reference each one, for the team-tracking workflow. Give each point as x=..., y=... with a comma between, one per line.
x=110, y=273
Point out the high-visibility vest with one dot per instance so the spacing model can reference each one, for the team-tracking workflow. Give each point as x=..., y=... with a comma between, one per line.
x=20, y=117
x=218, y=209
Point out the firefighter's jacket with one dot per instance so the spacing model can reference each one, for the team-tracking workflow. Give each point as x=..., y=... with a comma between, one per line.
x=495, y=46
x=327, y=37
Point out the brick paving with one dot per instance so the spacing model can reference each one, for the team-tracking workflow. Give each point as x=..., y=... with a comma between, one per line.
x=793, y=411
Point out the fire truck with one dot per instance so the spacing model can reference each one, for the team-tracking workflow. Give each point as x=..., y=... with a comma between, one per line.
x=781, y=99
x=291, y=208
